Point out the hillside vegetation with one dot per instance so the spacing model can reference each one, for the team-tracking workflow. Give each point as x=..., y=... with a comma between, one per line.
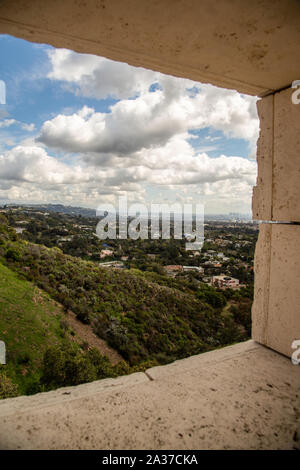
x=42, y=351
x=30, y=322
x=145, y=321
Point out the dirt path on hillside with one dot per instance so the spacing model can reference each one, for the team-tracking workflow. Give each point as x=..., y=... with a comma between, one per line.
x=226, y=309
x=86, y=333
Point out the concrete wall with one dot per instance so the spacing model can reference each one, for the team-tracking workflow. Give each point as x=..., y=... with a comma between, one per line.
x=276, y=308
x=277, y=194
x=252, y=47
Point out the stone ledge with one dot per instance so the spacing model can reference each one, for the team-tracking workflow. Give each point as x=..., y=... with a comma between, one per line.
x=67, y=394
x=201, y=360
x=244, y=396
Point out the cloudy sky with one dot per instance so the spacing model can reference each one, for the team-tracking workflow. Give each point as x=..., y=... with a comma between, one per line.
x=82, y=130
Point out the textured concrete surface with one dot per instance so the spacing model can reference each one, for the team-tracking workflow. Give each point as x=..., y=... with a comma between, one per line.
x=262, y=192
x=286, y=159
x=284, y=304
x=262, y=265
x=277, y=192
x=240, y=397
x=276, y=306
x=255, y=50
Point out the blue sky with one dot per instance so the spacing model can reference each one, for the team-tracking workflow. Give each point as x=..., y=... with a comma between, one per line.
x=32, y=97
x=80, y=129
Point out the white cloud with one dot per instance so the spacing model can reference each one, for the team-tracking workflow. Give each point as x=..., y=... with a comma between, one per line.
x=152, y=119
x=98, y=77
x=173, y=168
x=7, y=122
x=24, y=126
x=28, y=127
x=148, y=120
x=32, y=164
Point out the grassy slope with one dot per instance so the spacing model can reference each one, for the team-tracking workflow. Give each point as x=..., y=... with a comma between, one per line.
x=29, y=323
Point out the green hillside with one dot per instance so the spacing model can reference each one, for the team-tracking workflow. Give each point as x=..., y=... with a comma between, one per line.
x=43, y=352
x=147, y=319
x=30, y=322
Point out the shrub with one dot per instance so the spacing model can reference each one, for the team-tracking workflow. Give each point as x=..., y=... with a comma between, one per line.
x=7, y=388
x=13, y=254
x=63, y=366
x=100, y=363
x=23, y=358
x=212, y=297
x=82, y=313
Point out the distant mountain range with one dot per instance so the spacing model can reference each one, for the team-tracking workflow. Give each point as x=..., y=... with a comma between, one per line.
x=83, y=211
x=87, y=212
